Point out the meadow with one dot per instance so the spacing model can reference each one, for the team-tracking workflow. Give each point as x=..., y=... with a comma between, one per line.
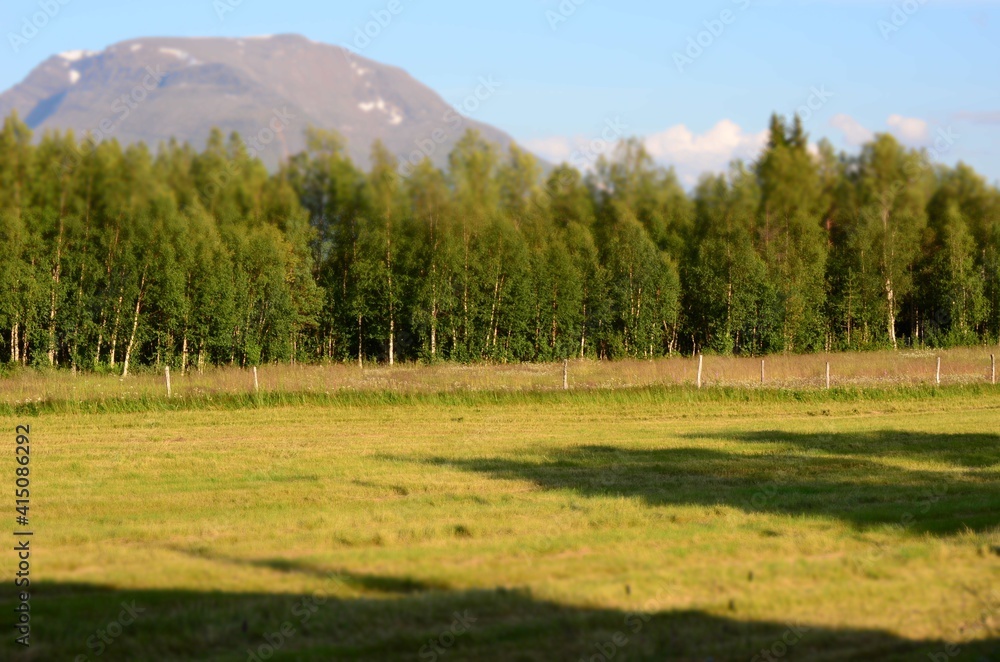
x=35, y=391
x=483, y=513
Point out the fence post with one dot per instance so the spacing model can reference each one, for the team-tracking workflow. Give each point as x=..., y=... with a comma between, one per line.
x=827, y=375
x=762, y=371
x=701, y=360
x=939, y=371
x=565, y=374
x=256, y=384
x=168, y=382
x=993, y=369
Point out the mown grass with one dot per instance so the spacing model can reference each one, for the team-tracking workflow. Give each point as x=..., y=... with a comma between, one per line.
x=695, y=524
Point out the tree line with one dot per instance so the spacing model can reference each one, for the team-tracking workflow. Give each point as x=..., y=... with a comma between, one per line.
x=119, y=257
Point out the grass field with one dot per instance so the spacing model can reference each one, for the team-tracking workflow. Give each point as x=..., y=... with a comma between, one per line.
x=658, y=523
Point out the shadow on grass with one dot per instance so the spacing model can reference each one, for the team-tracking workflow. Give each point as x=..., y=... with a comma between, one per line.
x=829, y=475
x=359, y=582
x=961, y=450
x=77, y=620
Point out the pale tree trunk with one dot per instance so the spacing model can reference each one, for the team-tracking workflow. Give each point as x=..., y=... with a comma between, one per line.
x=114, y=331
x=392, y=303
x=850, y=316
x=538, y=328
x=496, y=325
x=15, y=343
x=891, y=300
x=434, y=311
x=434, y=290
x=630, y=327
x=100, y=339
x=79, y=303
x=52, y=323
x=555, y=314
x=729, y=291
x=58, y=272
x=465, y=288
x=493, y=311
x=185, y=352
x=434, y=323
x=56, y=276
x=392, y=333
x=135, y=325
x=27, y=344
x=104, y=312
x=890, y=293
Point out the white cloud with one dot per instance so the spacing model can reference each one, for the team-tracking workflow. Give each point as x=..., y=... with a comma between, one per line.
x=854, y=133
x=692, y=154
x=558, y=149
x=909, y=129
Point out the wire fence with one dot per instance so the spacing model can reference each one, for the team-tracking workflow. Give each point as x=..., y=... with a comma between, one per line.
x=833, y=371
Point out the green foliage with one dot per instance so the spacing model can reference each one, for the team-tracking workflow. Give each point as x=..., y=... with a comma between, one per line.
x=118, y=259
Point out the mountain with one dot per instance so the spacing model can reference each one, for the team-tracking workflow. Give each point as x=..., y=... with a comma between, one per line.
x=153, y=89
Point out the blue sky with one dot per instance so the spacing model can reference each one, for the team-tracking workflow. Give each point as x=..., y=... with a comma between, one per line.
x=918, y=69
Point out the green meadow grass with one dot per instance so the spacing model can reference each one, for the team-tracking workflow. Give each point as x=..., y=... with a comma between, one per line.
x=638, y=524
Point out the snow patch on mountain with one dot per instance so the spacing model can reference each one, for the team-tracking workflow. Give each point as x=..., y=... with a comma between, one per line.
x=180, y=55
x=76, y=56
